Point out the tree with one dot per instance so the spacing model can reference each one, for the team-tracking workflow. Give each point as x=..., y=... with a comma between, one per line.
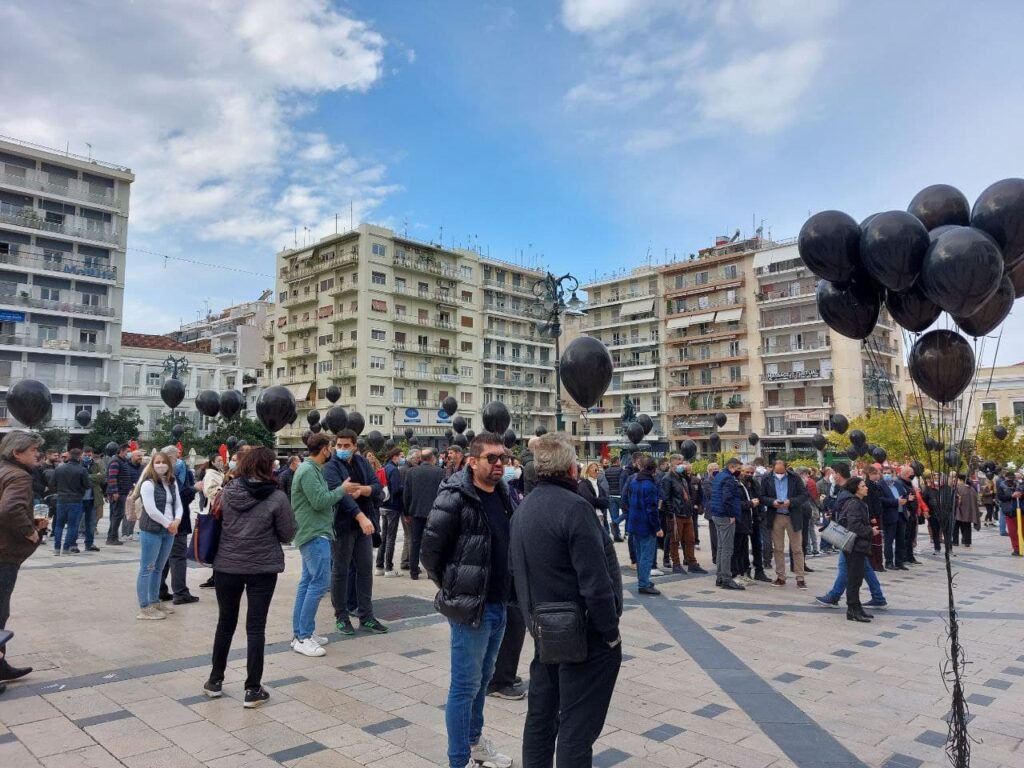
x=54, y=438
x=162, y=435
x=885, y=429
x=121, y=427
x=1002, y=452
x=242, y=427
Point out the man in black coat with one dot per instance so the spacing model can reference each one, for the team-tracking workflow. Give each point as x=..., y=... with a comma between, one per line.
x=419, y=492
x=177, y=563
x=70, y=482
x=466, y=554
x=568, y=702
x=884, y=507
x=784, y=495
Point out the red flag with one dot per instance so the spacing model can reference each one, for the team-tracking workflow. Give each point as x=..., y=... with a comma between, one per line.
x=605, y=451
x=223, y=452
x=133, y=446
x=181, y=451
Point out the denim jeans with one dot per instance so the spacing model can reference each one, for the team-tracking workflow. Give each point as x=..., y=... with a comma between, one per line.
x=474, y=651
x=389, y=522
x=646, y=551
x=1002, y=523
x=88, y=526
x=154, y=551
x=314, y=582
x=839, y=586
x=69, y=514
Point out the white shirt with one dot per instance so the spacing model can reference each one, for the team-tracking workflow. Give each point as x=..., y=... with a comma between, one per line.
x=172, y=504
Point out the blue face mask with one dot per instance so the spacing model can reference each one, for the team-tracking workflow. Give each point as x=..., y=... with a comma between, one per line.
x=402, y=462
x=887, y=478
x=344, y=455
x=680, y=469
x=509, y=474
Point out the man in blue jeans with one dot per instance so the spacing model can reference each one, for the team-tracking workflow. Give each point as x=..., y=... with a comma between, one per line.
x=71, y=480
x=465, y=548
x=645, y=522
x=831, y=598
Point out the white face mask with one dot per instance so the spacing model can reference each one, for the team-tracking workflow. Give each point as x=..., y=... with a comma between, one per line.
x=160, y=469
x=780, y=476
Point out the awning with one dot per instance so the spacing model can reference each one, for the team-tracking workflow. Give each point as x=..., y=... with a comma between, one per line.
x=679, y=322
x=300, y=391
x=637, y=307
x=775, y=255
x=729, y=315
x=705, y=317
x=639, y=375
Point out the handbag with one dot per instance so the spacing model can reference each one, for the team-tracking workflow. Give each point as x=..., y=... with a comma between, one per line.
x=206, y=534
x=839, y=537
x=559, y=630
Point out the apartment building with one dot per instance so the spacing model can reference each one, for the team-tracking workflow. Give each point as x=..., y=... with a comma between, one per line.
x=63, y=232
x=395, y=323
x=995, y=394
x=625, y=312
x=518, y=363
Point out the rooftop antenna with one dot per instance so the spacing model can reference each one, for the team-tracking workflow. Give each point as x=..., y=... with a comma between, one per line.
x=351, y=214
x=90, y=150
x=335, y=223
x=405, y=226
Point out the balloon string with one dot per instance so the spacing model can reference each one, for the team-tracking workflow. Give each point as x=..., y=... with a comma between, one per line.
x=995, y=357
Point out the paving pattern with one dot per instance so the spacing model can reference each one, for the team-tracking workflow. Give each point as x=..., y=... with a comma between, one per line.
x=710, y=678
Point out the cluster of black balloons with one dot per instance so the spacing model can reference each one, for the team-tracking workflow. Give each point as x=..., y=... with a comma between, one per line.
x=637, y=430
x=938, y=255
x=1000, y=432
x=228, y=404
x=586, y=370
x=276, y=408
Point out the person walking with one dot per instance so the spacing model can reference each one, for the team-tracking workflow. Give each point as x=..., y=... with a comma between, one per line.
x=256, y=519
x=19, y=528
x=313, y=505
x=568, y=703
x=613, y=476
x=854, y=515
x=119, y=485
x=967, y=511
x=645, y=523
x=785, y=497
x=1008, y=493
x=727, y=499
x=71, y=481
x=465, y=552
x=158, y=524
x=420, y=490
x=391, y=512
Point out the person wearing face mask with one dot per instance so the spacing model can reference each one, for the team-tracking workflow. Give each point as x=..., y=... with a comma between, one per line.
x=92, y=501
x=679, y=509
x=286, y=475
x=159, y=523
x=591, y=490
x=727, y=500
x=513, y=475
x=785, y=497
x=854, y=515
x=930, y=495
x=213, y=481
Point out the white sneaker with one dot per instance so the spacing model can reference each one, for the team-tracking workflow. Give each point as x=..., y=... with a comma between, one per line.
x=150, y=613
x=391, y=574
x=656, y=572
x=308, y=647
x=484, y=754
x=163, y=608
x=378, y=572
x=319, y=639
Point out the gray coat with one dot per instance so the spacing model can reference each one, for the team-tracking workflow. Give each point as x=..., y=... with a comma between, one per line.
x=419, y=489
x=257, y=520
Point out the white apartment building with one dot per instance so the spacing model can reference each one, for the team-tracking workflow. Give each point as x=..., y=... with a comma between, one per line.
x=63, y=232
x=395, y=323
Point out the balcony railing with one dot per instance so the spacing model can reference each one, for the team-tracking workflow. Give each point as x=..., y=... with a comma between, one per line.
x=70, y=226
x=490, y=357
x=798, y=293
x=310, y=269
x=298, y=352
x=423, y=349
x=717, y=331
x=410, y=375
x=738, y=301
x=785, y=349
x=715, y=357
x=724, y=382
x=297, y=300
x=54, y=383
x=507, y=310
x=491, y=381
x=592, y=322
x=690, y=284
x=65, y=264
x=424, y=322
x=55, y=345
x=41, y=181
x=523, y=288
x=632, y=341
x=301, y=325
x=806, y=375
x=426, y=265
x=782, y=322
x=618, y=297
x=631, y=363
x=35, y=302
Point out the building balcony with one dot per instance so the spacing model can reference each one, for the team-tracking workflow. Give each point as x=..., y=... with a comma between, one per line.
x=632, y=388
x=786, y=296
x=620, y=296
x=531, y=338
x=33, y=180
x=57, y=384
x=804, y=318
x=724, y=383
x=429, y=265
x=223, y=352
x=312, y=269
x=718, y=331
x=523, y=289
x=690, y=360
x=62, y=263
x=342, y=289
x=633, y=341
x=268, y=330
x=289, y=354
x=223, y=331
x=818, y=347
x=64, y=224
x=301, y=325
x=64, y=307
x=517, y=384
x=498, y=309
x=423, y=322
x=796, y=377
x=614, y=413
x=593, y=323
x=423, y=350
x=31, y=339
x=343, y=345
x=690, y=285
x=447, y=378
x=530, y=362
x=297, y=300
x=739, y=301
x=822, y=405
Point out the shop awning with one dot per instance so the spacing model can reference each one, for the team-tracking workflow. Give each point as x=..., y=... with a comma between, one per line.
x=771, y=256
x=729, y=315
x=704, y=317
x=679, y=322
x=300, y=391
x=639, y=375
x=637, y=307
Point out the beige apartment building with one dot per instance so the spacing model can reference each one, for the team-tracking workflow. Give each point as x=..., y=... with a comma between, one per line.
x=995, y=394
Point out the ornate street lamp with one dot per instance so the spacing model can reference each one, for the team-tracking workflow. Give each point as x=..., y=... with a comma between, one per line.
x=548, y=308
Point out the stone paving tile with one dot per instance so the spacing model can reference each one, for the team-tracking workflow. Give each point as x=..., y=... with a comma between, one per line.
x=87, y=757
x=48, y=737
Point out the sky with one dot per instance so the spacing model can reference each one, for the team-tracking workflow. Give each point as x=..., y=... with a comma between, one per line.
x=586, y=135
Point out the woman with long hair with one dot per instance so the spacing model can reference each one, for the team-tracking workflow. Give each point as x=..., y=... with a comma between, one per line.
x=854, y=514
x=161, y=515
x=256, y=519
x=591, y=490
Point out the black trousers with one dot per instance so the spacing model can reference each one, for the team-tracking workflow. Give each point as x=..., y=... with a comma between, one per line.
x=900, y=542
x=8, y=577
x=116, y=518
x=666, y=540
x=935, y=530
x=741, y=554
x=962, y=532
x=854, y=578
x=713, y=533
x=568, y=704
x=418, y=524
x=352, y=549
x=259, y=590
x=909, y=537
x=507, y=663
x=177, y=566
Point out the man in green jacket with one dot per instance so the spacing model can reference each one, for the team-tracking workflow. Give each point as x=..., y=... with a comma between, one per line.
x=313, y=505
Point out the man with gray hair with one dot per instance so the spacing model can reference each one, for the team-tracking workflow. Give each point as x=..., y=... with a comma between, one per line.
x=568, y=703
x=19, y=529
x=529, y=468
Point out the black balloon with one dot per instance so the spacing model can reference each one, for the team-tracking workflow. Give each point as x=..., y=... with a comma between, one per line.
x=819, y=442
x=316, y=427
x=509, y=438
x=1016, y=275
x=83, y=418
x=459, y=424
x=720, y=419
x=857, y=437
x=356, y=422
x=912, y=309
x=172, y=392
x=414, y=443
x=851, y=309
x=952, y=457
x=829, y=244
x=208, y=403
x=231, y=403
x=646, y=422
x=361, y=445
x=586, y=370
x=375, y=439
x=336, y=419
x=634, y=432
x=892, y=249
x=409, y=433
x=177, y=431
x=715, y=442
x=448, y=434
x=918, y=468
x=29, y=402
x=962, y=270
x=540, y=430
x=999, y=210
x=231, y=443
x=496, y=417
x=852, y=452
x=839, y=423
x=879, y=454
x=313, y=417
x=999, y=431
x=470, y=434
x=450, y=405
x=939, y=445
x=753, y=438
x=992, y=313
x=940, y=205
x=461, y=441
x=306, y=434
x=688, y=449
x=941, y=363
x=333, y=393
x=110, y=448
x=276, y=408
x=389, y=444
x=929, y=444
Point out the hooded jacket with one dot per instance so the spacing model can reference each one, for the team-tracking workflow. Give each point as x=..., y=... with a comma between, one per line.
x=644, y=500
x=256, y=520
x=16, y=518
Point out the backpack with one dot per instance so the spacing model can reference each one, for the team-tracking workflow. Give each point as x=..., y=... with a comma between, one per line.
x=133, y=506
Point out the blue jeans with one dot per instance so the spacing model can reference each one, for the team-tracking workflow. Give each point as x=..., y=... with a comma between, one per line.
x=154, y=550
x=69, y=513
x=88, y=527
x=1002, y=523
x=646, y=551
x=474, y=651
x=314, y=583
x=839, y=586
x=615, y=511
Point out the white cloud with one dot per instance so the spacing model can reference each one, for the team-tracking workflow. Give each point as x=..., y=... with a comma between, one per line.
x=597, y=15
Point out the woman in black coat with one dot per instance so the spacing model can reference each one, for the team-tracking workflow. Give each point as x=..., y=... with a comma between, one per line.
x=854, y=514
x=591, y=490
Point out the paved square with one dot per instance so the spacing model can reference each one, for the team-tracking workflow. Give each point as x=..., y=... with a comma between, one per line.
x=709, y=678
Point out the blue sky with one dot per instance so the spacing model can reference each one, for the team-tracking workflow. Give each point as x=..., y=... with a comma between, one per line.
x=592, y=132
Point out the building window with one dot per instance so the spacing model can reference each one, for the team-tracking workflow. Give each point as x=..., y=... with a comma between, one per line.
x=49, y=294
x=1018, y=413
x=378, y=278
x=379, y=249
x=735, y=373
x=466, y=371
x=989, y=414
x=467, y=297
x=378, y=305
x=92, y=299
x=352, y=391
x=325, y=340
x=153, y=378
x=87, y=337
x=705, y=376
x=467, y=346
x=376, y=390
x=47, y=332
x=467, y=398
x=399, y=396
x=376, y=419
x=466, y=321
x=377, y=334
x=324, y=366
x=377, y=363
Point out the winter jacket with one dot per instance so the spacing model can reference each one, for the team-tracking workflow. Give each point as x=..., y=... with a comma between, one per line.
x=419, y=491
x=854, y=515
x=882, y=505
x=586, y=490
x=676, y=493
x=393, y=475
x=967, y=510
x=796, y=491
x=456, y=549
x=561, y=553
x=187, y=492
x=727, y=496
x=71, y=481
x=644, y=500
x=529, y=473
x=613, y=475
x=256, y=520
x=358, y=470
x=122, y=476
x=212, y=482
x=17, y=522
x=284, y=481
x=707, y=488
x=906, y=490
x=313, y=503
x=1004, y=493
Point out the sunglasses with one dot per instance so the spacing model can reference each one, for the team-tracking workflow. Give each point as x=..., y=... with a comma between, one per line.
x=495, y=458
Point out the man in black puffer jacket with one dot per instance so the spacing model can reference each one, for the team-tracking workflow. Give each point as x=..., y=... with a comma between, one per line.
x=465, y=553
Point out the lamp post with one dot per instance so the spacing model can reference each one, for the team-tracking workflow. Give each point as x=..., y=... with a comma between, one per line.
x=521, y=411
x=875, y=382
x=548, y=308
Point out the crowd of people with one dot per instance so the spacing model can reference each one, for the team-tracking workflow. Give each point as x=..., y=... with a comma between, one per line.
x=512, y=543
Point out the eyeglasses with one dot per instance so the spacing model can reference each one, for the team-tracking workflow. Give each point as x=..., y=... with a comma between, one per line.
x=496, y=458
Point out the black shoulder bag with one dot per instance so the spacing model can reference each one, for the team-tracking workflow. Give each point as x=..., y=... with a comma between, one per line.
x=559, y=630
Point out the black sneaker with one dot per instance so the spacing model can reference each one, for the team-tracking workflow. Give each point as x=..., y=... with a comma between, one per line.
x=212, y=688
x=8, y=673
x=697, y=569
x=345, y=627
x=515, y=692
x=93, y=548
x=165, y=596
x=73, y=551
x=648, y=591
x=255, y=697
x=184, y=599
x=208, y=584
x=372, y=625
x=114, y=543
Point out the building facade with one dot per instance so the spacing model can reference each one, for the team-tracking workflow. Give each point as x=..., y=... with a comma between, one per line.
x=63, y=233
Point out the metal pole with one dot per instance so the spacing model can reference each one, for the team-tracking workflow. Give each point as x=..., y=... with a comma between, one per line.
x=559, y=423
